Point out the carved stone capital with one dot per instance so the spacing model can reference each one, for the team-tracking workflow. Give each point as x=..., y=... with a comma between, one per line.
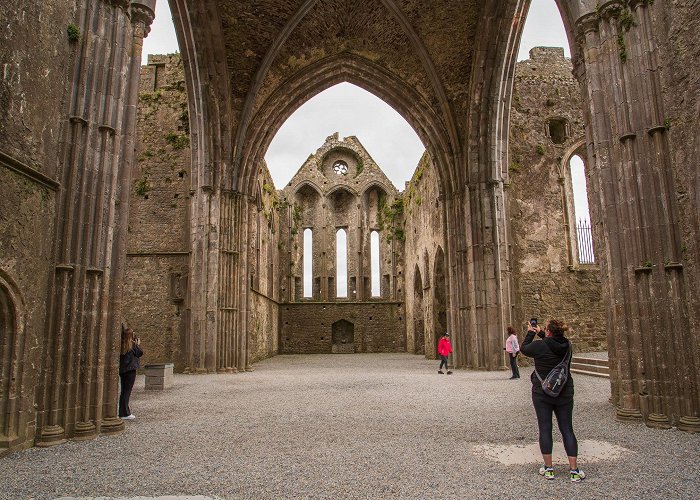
x=610, y=8
x=586, y=24
x=143, y=12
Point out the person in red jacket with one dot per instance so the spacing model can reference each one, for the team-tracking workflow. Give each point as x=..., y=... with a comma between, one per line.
x=444, y=350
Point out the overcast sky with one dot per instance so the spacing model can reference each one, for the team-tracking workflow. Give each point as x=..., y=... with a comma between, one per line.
x=385, y=134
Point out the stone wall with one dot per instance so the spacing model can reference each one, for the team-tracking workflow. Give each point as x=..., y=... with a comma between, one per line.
x=155, y=283
x=35, y=58
x=681, y=94
x=359, y=199
x=157, y=278
x=263, y=327
x=308, y=328
x=549, y=281
x=36, y=53
x=27, y=215
x=264, y=270
x=426, y=293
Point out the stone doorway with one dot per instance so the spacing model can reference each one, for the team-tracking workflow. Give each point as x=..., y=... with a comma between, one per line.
x=343, y=337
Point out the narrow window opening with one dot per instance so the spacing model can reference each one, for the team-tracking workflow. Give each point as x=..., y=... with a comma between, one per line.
x=374, y=264
x=584, y=233
x=341, y=253
x=308, y=263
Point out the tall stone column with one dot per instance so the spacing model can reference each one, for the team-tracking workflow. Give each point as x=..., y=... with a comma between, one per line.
x=142, y=14
x=232, y=280
x=458, y=256
x=79, y=334
x=480, y=299
x=634, y=200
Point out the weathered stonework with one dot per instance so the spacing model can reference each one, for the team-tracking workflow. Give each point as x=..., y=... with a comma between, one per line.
x=427, y=297
x=341, y=187
x=68, y=123
x=158, y=252
x=309, y=328
x=548, y=280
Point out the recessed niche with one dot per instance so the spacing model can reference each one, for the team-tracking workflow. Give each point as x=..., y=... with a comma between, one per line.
x=556, y=128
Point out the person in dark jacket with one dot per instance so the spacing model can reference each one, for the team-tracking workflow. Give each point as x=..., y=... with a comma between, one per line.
x=548, y=353
x=128, y=364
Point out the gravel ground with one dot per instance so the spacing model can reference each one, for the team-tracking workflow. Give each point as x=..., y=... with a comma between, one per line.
x=350, y=426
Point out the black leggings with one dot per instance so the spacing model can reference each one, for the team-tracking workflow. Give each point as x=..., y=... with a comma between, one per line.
x=563, y=409
x=443, y=361
x=127, y=380
x=514, y=365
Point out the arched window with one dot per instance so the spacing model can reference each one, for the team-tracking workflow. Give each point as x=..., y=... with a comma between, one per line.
x=374, y=263
x=584, y=234
x=308, y=263
x=341, y=261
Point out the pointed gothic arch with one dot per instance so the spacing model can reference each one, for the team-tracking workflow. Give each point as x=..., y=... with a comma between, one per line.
x=15, y=404
x=418, y=313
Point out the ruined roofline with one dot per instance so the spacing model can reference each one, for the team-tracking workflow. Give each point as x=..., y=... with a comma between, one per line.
x=545, y=53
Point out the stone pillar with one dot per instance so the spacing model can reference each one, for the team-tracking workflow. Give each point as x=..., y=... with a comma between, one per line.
x=80, y=339
x=142, y=15
x=478, y=253
x=634, y=197
x=231, y=280
x=458, y=256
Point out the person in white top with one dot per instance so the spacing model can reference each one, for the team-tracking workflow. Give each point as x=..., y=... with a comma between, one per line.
x=513, y=348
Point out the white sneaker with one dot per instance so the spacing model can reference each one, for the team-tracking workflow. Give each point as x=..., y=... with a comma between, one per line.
x=576, y=475
x=129, y=417
x=547, y=472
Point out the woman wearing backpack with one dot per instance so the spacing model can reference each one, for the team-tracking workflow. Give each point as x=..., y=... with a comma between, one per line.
x=548, y=353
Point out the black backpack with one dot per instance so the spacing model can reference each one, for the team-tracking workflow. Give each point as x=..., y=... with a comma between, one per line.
x=555, y=380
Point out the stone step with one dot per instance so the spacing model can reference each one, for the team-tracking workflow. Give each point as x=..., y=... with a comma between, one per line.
x=590, y=361
x=590, y=366
x=586, y=372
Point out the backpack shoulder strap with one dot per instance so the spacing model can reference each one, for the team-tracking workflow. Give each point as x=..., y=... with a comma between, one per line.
x=566, y=359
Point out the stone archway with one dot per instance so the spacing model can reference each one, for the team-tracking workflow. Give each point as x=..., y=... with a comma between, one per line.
x=455, y=88
x=343, y=337
x=418, y=314
x=440, y=300
x=15, y=405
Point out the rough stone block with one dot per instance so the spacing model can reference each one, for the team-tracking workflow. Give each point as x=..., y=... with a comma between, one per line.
x=159, y=377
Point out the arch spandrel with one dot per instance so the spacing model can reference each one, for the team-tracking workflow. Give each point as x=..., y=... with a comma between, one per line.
x=379, y=186
x=307, y=186
x=342, y=189
x=364, y=74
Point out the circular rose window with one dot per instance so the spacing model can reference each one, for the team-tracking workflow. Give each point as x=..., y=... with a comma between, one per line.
x=340, y=167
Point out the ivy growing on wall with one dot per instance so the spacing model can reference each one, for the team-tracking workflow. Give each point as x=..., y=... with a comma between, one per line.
x=177, y=141
x=390, y=218
x=143, y=185
x=73, y=32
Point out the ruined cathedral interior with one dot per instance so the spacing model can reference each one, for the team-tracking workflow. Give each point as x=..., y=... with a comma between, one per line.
x=139, y=195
